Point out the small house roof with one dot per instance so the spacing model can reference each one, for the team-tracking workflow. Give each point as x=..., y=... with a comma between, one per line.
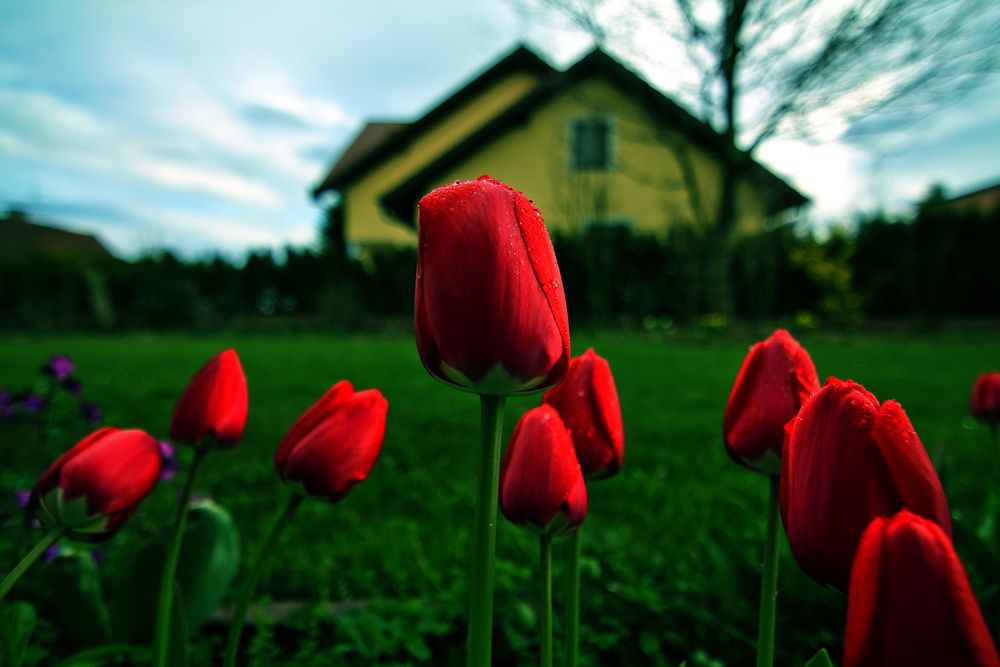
x=381, y=143
x=373, y=134
x=22, y=238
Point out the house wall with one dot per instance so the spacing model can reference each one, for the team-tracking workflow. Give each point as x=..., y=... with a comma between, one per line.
x=657, y=178
x=366, y=222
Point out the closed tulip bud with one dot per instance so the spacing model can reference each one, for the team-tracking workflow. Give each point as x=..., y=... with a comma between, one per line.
x=334, y=444
x=92, y=489
x=776, y=378
x=489, y=310
x=213, y=404
x=846, y=461
x=541, y=484
x=985, y=402
x=587, y=402
x=910, y=602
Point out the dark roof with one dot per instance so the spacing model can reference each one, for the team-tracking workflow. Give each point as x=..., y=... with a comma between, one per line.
x=370, y=136
x=402, y=199
x=20, y=238
x=520, y=59
x=981, y=197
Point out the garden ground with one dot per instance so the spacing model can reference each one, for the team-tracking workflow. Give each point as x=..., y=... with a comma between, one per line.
x=671, y=545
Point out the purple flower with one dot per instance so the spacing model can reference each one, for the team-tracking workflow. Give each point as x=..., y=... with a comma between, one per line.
x=169, y=460
x=21, y=497
x=51, y=553
x=33, y=403
x=6, y=407
x=91, y=412
x=60, y=367
x=72, y=385
x=98, y=555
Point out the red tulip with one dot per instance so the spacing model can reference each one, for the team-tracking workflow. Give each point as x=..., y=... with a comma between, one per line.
x=95, y=487
x=910, y=602
x=334, y=444
x=587, y=402
x=985, y=402
x=776, y=378
x=214, y=403
x=846, y=461
x=489, y=312
x=541, y=484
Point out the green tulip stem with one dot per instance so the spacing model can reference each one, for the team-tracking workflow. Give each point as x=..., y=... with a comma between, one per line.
x=572, y=652
x=484, y=533
x=769, y=582
x=281, y=519
x=545, y=612
x=163, y=614
x=29, y=560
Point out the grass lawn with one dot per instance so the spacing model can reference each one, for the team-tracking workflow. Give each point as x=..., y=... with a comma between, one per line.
x=671, y=545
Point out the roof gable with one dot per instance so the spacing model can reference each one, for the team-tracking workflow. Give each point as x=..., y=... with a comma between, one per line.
x=369, y=138
x=389, y=143
x=401, y=199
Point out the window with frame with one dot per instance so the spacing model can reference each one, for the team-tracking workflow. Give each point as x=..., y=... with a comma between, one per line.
x=590, y=143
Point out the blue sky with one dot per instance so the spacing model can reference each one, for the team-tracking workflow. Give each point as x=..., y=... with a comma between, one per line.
x=201, y=126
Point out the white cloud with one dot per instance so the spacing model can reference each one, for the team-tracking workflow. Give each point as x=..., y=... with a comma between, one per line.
x=275, y=91
x=48, y=122
x=193, y=177
x=223, y=231
x=834, y=176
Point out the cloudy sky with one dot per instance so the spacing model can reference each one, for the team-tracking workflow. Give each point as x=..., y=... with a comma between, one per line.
x=201, y=126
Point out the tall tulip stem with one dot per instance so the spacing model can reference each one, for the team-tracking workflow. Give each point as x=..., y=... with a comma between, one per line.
x=484, y=533
x=769, y=581
x=163, y=615
x=29, y=559
x=545, y=601
x=281, y=519
x=572, y=648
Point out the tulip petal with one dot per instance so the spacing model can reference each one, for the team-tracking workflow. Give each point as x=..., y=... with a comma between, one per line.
x=488, y=292
x=575, y=504
x=94, y=487
x=340, y=451
x=912, y=472
x=213, y=403
x=836, y=480
x=587, y=402
x=776, y=378
x=541, y=484
x=50, y=479
x=985, y=401
x=910, y=602
x=312, y=417
x=114, y=473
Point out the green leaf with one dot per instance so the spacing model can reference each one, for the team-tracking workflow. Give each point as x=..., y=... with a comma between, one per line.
x=209, y=560
x=78, y=600
x=821, y=659
x=17, y=622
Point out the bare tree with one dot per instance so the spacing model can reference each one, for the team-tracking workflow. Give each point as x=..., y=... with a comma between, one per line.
x=757, y=69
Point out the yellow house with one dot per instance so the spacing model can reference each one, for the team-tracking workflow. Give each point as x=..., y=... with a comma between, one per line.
x=591, y=145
